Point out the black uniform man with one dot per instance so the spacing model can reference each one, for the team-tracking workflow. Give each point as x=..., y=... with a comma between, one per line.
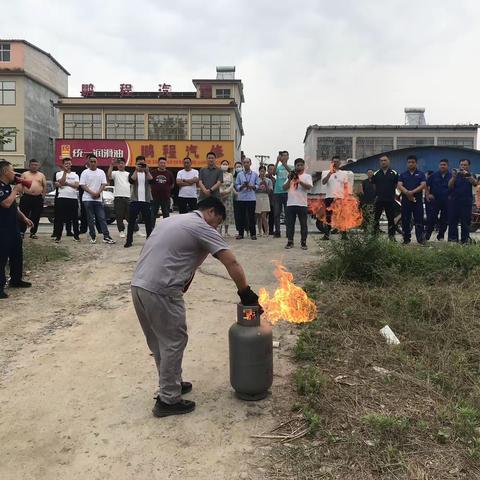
x=10, y=239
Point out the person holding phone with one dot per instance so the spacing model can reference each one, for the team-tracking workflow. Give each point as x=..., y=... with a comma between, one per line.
x=141, y=198
x=280, y=196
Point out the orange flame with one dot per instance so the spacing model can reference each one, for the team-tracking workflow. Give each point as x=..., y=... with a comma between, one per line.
x=288, y=302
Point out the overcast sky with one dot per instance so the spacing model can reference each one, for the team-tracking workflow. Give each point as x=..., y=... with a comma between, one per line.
x=301, y=62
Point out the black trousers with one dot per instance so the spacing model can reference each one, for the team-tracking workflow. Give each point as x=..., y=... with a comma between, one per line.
x=246, y=212
x=11, y=252
x=186, y=204
x=291, y=217
x=66, y=210
x=121, y=204
x=134, y=211
x=156, y=206
x=271, y=217
x=31, y=206
x=389, y=207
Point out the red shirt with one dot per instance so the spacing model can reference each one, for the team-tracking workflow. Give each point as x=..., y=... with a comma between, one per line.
x=162, y=184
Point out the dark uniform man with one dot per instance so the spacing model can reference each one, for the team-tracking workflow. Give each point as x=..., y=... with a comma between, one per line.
x=412, y=183
x=461, y=200
x=385, y=181
x=10, y=239
x=437, y=198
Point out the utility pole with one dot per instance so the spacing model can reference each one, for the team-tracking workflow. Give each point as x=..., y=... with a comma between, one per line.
x=262, y=159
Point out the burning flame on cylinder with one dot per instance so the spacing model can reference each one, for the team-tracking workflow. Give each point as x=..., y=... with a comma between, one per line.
x=288, y=302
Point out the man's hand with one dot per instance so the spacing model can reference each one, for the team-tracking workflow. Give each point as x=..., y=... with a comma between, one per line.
x=95, y=195
x=410, y=195
x=18, y=188
x=430, y=197
x=248, y=297
x=28, y=222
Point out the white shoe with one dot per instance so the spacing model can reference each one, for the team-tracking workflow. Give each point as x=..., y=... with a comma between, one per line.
x=93, y=240
x=122, y=234
x=108, y=240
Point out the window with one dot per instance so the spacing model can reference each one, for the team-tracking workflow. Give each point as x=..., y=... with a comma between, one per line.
x=465, y=142
x=52, y=108
x=4, y=52
x=223, y=93
x=211, y=127
x=368, y=146
x=407, y=142
x=329, y=146
x=10, y=135
x=168, y=126
x=125, y=126
x=82, y=125
x=7, y=93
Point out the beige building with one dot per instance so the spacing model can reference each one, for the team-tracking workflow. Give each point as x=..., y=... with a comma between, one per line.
x=31, y=82
x=166, y=123
x=355, y=142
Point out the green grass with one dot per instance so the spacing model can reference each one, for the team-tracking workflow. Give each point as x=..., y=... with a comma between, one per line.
x=36, y=254
x=424, y=415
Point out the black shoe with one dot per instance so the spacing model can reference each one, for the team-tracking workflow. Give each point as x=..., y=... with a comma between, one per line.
x=3, y=295
x=162, y=409
x=253, y=237
x=69, y=234
x=303, y=246
x=276, y=235
x=127, y=245
x=289, y=245
x=405, y=242
x=19, y=284
x=186, y=387
x=326, y=237
x=239, y=237
x=76, y=238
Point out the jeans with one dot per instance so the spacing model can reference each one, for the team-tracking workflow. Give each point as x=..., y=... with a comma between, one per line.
x=31, y=206
x=135, y=209
x=96, y=212
x=186, y=204
x=439, y=206
x=11, y=252
x=460, y=210
x=414, y=209
x=293, y=212
x=246, y=210
x=389, y=207
x=155, y=207
x=66, y=210
x=279, y=202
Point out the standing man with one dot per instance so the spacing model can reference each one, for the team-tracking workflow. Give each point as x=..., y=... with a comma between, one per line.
x=141, y=198
x=165, y=270
x=121, y=200
x=367, y=198
x=10, y=239
x=298, y=185
x=385, y=181
x=93, y=181
x=271, y=215
x=66, y=203
x=163, y=183
x=411, y=184
x=461, y=200
x=187, y=181
x=281, y=171
x=246, y=185
x=437, y=197
x=335, y=181
x=31, y=203
x=210, y=178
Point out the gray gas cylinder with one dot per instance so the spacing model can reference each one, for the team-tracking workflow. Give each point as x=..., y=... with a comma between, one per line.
x=251, y=354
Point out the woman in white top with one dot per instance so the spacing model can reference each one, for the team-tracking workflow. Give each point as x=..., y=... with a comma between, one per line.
x=226, y=195
x=262, y=206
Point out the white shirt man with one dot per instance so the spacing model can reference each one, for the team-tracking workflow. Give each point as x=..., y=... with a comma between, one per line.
x=187, y=181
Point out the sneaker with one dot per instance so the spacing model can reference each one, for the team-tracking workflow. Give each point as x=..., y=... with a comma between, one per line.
x=57, y=240
x=70, y=234
x=19, y=284
x=239, y=237
x=127, y=245
x=109, y=240
x=276, y=235
x=253, y=237
x=3, y=295
x=186, y=387
x=406, y=242
x=93, y=240
x=34, y=236
x=162, y=409
x=76, y=238
x=303, y=246
x=122, y=234
x=289, y=245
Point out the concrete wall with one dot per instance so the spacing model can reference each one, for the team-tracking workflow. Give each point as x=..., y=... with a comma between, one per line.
x=13, y=116
x=41, y=127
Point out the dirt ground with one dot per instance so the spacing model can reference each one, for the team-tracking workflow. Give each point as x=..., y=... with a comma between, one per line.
x=77, y=380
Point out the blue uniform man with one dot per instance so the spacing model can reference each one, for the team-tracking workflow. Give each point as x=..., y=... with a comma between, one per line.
x=10, y=239
x=461, y=200
x=411, y=184
x=437, y=198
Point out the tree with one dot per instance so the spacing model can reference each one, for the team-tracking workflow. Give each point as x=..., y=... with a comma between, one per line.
x=6, y=135
x=169, y=128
